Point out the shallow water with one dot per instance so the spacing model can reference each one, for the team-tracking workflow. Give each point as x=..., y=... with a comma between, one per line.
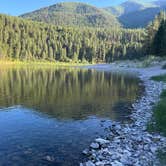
x=58, y=112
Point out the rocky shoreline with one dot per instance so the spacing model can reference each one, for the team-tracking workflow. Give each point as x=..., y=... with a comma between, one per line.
x=131, y=144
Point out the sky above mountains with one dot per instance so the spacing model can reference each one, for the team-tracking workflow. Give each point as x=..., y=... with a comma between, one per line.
x=18, y=7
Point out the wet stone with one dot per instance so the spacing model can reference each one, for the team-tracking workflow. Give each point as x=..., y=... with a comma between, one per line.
x=94, y=145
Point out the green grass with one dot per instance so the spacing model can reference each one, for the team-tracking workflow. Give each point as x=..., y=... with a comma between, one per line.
x=160, y=115
x=159, y=78
x=158, y=122
x=162, y=157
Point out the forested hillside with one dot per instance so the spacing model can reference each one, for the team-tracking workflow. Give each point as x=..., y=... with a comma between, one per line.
x=130, y=14
x=22, y=39
x=28, y=40
x=74, y=14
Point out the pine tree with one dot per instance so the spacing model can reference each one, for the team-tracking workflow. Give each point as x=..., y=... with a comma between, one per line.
x=159, y=43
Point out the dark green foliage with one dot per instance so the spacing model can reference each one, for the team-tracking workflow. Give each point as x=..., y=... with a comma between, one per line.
x=159, y=42
x=74, y=14
x=162, y=158
x=163, y=94
x=151, y=31
x=28, y=40
x=160, y=109
x=159, y=116
x=159, y=78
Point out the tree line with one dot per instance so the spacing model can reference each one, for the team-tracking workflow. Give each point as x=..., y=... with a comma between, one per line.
x=27, y=40
x=155, y=39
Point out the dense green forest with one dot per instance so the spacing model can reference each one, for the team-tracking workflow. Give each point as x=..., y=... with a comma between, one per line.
x=155, y=40
x=159, y=42
x=28, y=40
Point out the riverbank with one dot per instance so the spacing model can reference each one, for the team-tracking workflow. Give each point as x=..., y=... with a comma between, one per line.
x=158, y=122
x=131, y=144
x=38, y=63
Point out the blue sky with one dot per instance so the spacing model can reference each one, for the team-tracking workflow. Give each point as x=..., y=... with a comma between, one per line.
x=17, y=7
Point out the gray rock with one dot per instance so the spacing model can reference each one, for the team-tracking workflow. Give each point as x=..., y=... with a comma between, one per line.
x=94, y=145
x=153, y=149
x=49, y=158
x=114, y=157
x=86, y=152
x=89, y=163
x=116, y=163
x=102, y=141
x=127, y=153
x=99, y=163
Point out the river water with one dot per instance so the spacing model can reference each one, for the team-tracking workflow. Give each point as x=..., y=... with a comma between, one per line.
x=49, y=116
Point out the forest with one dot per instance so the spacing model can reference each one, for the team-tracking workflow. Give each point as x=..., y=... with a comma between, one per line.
x=27, y=40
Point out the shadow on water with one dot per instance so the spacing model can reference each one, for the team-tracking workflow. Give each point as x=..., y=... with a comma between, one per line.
x=59, y=112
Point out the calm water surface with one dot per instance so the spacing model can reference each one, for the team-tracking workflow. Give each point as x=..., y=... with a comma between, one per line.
x=58, y=112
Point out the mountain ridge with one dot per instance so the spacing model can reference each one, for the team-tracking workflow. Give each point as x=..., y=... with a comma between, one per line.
x=137, y=14
x=73, y=14
x=129, y=14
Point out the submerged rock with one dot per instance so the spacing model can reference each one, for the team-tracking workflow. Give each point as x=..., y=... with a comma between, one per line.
x=89, y=163
x=94, y=146
x=86, y=152
x=49, y=158
x=101, y=141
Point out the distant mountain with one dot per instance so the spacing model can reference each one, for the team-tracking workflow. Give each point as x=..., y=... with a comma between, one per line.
x=136, y=14
x=160, y=3
x=139, y=18
x=74, y=14
x=129, y=7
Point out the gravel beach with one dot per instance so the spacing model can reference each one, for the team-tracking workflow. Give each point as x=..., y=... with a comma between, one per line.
x=130, y=144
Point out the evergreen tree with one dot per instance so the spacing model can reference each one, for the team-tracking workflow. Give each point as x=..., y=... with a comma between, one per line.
x=151, y=31
x=159, y=43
